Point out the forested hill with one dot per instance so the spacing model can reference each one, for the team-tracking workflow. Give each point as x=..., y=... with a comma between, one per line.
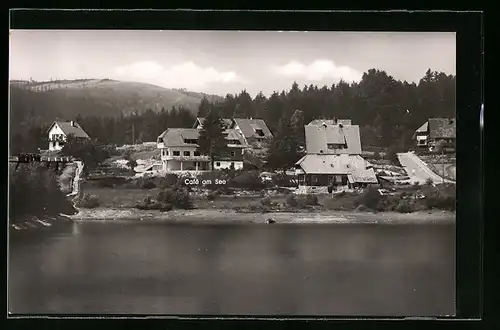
x=65, y=99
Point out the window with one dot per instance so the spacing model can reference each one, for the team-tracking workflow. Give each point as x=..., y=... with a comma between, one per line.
x=314, y=178
x=259, y=132
x=232, y=164
x=166, y=152
x=160, y=140
x=190, y=141
x=336, y=146
x=196, y=153
x=177, y=153
x=217, y=164
x=233, y=154
x=186, y=153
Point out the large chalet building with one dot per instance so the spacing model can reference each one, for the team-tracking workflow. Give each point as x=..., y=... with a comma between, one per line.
x=333, y=158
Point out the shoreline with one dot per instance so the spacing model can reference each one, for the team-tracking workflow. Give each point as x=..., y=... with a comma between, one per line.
x=218, y=216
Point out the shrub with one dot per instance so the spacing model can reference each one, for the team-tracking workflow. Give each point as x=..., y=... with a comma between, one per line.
x=266, y=201
x=311, y=199
x=89, y=201
x=361, y=208
x=370, y=198
x=178, y=197
x=404, y=206
x=247, y=180
x=376, y=155
x=429, y=182
x=148, y=204
x=291, y=201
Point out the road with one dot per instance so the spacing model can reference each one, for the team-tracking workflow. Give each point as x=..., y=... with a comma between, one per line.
x=417, y=170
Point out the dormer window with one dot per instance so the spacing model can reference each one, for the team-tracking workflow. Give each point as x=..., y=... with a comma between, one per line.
x=259, y=132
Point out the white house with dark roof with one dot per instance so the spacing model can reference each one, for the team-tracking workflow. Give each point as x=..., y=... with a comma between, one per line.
x=333, y=159
x=178, y=151
x=59, y=131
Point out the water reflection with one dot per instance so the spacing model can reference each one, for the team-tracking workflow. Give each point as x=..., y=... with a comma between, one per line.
x=110, y=267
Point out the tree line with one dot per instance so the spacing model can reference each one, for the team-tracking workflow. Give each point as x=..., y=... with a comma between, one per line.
x=387, y=110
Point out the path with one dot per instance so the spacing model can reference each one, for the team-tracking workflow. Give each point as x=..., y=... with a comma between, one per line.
x=417, y=170
x=77, y=179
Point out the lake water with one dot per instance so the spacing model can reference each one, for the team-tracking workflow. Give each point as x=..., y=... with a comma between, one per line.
x=159, y=268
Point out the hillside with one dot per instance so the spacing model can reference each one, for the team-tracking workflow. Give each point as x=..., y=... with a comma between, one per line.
x=65, y=99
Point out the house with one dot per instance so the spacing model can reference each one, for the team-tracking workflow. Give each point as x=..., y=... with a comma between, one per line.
x=254, y=131
x=59, y=131
x=436, y=131
x=178, y=148
x=333, y=159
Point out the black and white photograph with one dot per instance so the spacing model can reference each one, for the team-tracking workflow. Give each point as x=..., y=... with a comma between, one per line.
x=232, y=172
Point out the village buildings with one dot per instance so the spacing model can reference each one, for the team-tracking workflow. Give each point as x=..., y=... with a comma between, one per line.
x=179, y=151
x=178, y=146
x=333, y=158
x=436, y=131
x=59, y=131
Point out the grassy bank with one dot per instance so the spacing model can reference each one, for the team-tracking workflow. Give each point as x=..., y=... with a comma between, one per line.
x=123, y=202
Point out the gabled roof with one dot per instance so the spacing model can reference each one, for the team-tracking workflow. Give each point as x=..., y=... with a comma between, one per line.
x=424, y=128
x=199, y=121
x=319, y=136
x=249, y=126
x=354, y=165
x=68, y=129
x=330, y=122
x=174, y=137
x=442, y=128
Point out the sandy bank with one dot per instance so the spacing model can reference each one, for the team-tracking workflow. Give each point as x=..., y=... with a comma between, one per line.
x=230, y=216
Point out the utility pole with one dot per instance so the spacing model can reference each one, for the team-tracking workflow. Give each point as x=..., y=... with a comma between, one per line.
x=133, y=133
x=442, y=161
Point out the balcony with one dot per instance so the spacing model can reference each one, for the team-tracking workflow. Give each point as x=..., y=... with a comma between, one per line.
x=187, y=158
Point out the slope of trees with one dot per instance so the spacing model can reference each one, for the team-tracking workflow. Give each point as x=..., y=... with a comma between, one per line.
x=387, y=110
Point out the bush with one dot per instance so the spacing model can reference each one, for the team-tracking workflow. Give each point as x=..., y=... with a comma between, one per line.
x=376, y=155
x=266, y=201
x=149, y=204
x=370, y=198
x=442, y=197
x=178, y=197
x=404, y=206
x=291, y=200
x=311, y=199
x=247, y=180
x=429, y=182
x=35, y=190
x=89, y=201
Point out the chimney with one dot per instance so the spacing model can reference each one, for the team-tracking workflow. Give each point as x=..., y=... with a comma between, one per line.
x=72, y=123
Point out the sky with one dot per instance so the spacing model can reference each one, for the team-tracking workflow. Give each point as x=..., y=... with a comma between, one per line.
x=221, y=62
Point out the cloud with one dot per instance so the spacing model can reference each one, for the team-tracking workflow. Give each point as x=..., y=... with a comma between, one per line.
x=317, y=70
x=183, y=75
